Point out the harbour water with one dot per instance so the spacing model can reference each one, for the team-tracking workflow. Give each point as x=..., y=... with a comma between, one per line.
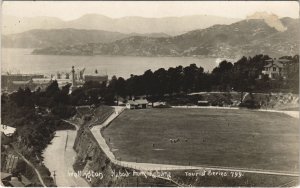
x=21, y=61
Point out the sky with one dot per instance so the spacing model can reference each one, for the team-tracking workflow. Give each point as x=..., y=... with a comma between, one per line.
x=68, y=10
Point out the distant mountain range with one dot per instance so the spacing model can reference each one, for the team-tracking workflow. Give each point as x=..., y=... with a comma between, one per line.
x=168, y=25
x=246, y=37
x=40, y=38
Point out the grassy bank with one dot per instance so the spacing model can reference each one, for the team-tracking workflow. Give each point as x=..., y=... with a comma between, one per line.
x=91, y=158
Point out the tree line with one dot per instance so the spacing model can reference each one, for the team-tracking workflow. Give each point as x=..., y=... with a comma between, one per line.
x=241, y=76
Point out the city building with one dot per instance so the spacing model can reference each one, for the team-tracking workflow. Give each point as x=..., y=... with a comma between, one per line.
x=41, y=83
x=12, y=82
x=97, y=78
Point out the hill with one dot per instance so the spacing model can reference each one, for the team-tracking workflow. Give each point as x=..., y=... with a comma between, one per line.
x=12, y=24
x=41, y=38
x=169, y=25
x=133, y=24
x=246, y=37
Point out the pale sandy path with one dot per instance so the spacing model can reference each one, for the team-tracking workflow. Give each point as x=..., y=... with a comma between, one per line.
x=294, y=114
x=209, y=107
x=60, y=156
x=151, y=166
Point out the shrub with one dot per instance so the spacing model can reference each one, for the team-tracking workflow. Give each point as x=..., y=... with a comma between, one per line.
x=252, y=104
x=64, y=111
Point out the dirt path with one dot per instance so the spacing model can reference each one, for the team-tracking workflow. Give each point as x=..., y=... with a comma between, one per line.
x=98, y=136
x=208, y=107
x=60, y=157
x=294, y=114
x=150, y=166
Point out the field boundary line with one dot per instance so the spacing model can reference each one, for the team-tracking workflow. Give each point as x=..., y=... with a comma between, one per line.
x=294, y=114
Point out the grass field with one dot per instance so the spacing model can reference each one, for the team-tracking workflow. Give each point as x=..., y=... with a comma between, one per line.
x=215, y=137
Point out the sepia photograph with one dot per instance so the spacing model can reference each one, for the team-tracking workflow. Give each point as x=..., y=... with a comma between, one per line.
x=150, y=93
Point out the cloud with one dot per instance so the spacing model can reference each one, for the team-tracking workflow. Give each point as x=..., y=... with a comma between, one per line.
x=271, y=19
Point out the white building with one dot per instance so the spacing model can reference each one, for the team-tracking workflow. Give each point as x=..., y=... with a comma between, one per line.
x=137, y=104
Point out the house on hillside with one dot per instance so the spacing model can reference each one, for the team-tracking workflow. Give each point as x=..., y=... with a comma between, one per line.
x=6, y=140
x=10, y=181
x=14, y=182
x=5, y=178
x=275, y=68
x=7, y=130
x=137, y=104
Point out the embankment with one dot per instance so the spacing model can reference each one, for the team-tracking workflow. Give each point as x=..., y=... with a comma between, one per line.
x=92, y=163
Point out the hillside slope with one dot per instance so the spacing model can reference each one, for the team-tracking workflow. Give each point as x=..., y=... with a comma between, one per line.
x=41, y=38
x=247, y=37
x=130, y=24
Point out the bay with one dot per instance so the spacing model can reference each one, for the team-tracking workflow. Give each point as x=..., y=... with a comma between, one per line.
x=16, y=60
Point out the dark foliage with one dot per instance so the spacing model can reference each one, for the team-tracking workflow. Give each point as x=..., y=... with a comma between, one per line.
x=241, y=76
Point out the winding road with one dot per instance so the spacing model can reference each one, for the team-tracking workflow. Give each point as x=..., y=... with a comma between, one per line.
x=60, y=157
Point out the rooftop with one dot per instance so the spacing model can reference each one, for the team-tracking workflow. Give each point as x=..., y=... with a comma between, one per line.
x=21, y=82
x=16, y=183
x=277, y=64
x=278, y=60
x=41, y=80
x=202, y=101
x=137, y=102
x=4, y=175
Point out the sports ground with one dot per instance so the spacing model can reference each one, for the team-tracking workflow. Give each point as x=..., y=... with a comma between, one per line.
x=213, y=137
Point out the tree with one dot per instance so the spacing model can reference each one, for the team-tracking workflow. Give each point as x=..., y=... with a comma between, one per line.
x=190, y=77
x=62, y=96
x=148, y=82
x=175, y=79
x=222, y=75
x=52, y=89
x=161, y=80
x=120, y=87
